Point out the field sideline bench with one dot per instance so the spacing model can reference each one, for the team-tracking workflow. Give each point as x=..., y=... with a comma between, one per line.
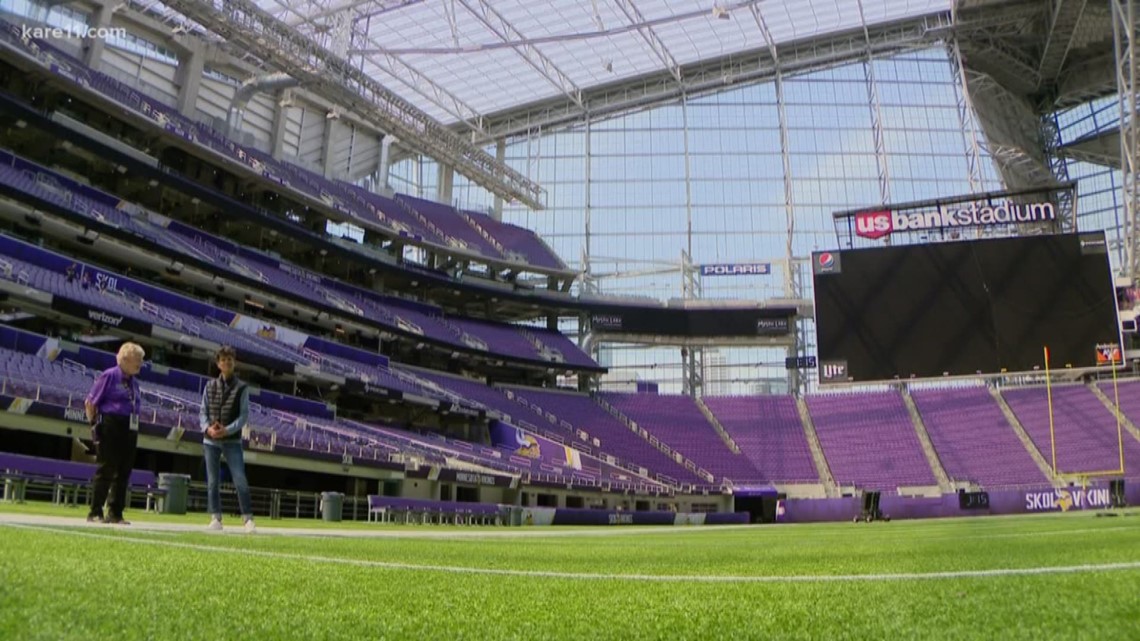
x=390, y=509
x=67, y=479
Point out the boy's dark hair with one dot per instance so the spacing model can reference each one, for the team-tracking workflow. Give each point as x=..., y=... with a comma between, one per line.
x=225, y=352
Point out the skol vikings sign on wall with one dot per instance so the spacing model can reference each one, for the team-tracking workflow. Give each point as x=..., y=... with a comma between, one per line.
x=1065, y=500
x=877, y=224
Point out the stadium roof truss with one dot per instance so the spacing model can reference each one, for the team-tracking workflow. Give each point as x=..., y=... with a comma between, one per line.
x=447, y=78
x=497, y=55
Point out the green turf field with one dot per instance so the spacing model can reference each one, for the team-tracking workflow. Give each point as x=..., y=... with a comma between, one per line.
x=1063, y=576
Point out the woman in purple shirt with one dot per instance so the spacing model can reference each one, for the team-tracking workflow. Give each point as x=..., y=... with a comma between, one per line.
x=113, y=411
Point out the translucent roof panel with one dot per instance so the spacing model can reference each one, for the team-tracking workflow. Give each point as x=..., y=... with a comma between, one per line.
x=458, y=59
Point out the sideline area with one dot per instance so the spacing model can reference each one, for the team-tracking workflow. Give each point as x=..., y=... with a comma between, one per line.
x=47, y=515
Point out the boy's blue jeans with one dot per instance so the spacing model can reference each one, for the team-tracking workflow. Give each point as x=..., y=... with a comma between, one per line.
x=235, y=459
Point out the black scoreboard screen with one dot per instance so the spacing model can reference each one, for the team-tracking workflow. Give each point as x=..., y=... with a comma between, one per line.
x=964, y=308
x=694, y=323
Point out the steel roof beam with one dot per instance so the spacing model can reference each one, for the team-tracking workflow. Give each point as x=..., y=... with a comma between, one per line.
x=633, y=14
x=753, y=65
x=1066, y=15
x=501, y=27
x=247, y=25
x=369, y=8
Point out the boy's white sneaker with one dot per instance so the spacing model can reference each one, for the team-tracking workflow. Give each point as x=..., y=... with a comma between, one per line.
x=250, y=528
x=215, y=524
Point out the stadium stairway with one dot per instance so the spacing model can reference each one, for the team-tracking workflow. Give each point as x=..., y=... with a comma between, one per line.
x=927, y=447
x=1023, y=436
x=821, y=466
x=668, y=451
x=712, y=419
x=1129, y=426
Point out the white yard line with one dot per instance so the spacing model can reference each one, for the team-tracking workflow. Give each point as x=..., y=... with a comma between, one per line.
x=443, y=531
x=544, y=574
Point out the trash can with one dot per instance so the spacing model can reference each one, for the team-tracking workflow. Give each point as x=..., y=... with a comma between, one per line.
x=176, y=488
x=332, y=505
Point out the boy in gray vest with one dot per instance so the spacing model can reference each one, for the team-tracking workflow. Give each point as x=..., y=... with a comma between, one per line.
x=225, y=411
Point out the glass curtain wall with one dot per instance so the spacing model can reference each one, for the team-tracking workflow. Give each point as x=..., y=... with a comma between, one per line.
x=706, y=178
x=1098, y=187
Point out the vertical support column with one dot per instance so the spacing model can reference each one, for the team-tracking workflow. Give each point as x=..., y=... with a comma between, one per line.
x=797, y=383
x=188, y=78
x=446, y=181
x=1066, y=198
x=691, y=286
x=785, y=153
x=877, y=131
x=589, y=201
x=790, y=278
x=100, y=18
x=688, y=176
x=876, y=114
x=966, y=118
x=385, y=162
x=692, y=367
x=794, y=382
x=1124, y=39
x=284, y=100
x=693, y=358
x=588, y=285
x=789, y=197
x=501, y=156
x=328, y=141
x=418, y=175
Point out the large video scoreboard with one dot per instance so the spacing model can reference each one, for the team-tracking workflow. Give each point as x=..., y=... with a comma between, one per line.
x=962, y=308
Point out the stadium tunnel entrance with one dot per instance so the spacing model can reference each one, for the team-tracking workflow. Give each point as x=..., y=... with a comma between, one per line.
x=760, y=503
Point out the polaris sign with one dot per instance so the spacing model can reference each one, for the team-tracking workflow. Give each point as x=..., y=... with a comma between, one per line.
x=737, y=269
x=877, y=224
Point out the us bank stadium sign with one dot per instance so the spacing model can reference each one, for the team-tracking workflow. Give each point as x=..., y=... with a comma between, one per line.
x=1001, y=213
x=877, y=224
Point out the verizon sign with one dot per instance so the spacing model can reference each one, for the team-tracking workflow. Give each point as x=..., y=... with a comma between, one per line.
x=877, y=224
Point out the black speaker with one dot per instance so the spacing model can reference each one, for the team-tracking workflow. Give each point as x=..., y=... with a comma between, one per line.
x=1116, y=493
x=870, y=502
x=870, y=508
